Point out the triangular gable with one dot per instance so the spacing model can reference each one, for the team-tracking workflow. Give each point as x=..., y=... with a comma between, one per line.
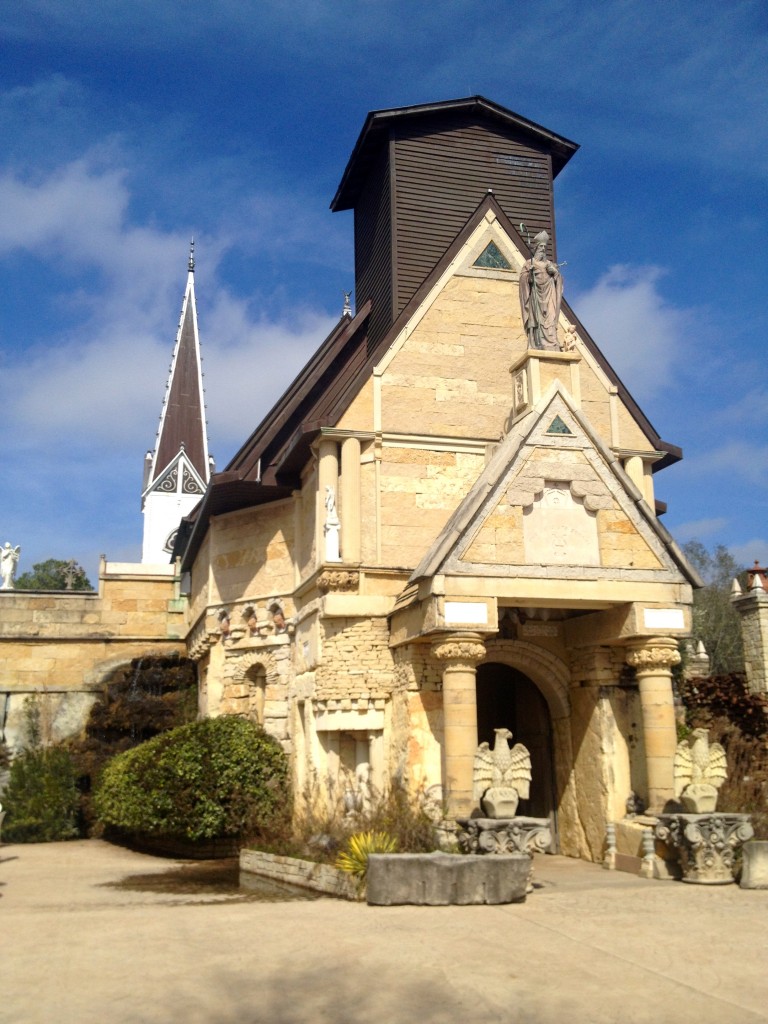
x=180, y=470
x=555, y=500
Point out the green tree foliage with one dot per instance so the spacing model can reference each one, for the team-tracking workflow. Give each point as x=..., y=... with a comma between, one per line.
x=150, y=696
x=715, y=621
x=41, y=797
x=221, y=777
x=54, y=574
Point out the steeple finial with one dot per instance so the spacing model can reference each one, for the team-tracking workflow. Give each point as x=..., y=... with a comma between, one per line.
x=347, y=311
x=192, y=256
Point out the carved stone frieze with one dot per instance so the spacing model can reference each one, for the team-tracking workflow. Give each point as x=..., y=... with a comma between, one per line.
x=344, y=580
x=660, y=653
x=707, y=843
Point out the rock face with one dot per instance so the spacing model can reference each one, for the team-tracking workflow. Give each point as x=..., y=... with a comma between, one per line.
x=443, y=879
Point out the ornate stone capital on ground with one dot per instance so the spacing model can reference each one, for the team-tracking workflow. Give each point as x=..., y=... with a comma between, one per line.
x=707, y=843
x=459, y=648
x=657, y=654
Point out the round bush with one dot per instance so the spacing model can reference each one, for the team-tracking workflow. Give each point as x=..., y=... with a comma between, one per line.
x=222, y=777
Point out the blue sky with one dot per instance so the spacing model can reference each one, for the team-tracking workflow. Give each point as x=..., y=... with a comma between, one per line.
x=128, y=127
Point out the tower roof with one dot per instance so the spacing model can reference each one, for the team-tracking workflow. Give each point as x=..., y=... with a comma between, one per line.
x=182, y=421
x=379, y=123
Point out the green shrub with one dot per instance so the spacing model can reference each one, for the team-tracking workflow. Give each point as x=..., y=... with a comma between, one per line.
x=41, y=797
x=222, y=777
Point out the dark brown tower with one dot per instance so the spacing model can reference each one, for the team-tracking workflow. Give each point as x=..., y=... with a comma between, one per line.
x=417, y=173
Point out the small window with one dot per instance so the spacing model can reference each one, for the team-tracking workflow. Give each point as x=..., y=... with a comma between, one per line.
x=492, y=258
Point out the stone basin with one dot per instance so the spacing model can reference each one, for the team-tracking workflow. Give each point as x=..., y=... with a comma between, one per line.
x=445, y=879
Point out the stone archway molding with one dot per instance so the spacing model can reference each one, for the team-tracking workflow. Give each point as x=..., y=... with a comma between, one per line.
x=546, y=670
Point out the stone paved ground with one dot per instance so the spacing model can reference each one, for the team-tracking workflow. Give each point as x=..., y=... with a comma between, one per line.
x=589, y=946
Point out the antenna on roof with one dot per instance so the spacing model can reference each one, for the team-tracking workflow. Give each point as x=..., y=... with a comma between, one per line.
x=191, y=263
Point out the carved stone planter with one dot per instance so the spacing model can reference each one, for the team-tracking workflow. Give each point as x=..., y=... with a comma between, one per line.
x=707, y=843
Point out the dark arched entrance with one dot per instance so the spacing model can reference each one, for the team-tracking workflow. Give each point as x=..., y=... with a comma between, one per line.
x=508, y=698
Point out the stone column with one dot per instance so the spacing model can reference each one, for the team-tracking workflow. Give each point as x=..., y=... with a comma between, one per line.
x=652, y=660
x=350, y=500
x=459, y=654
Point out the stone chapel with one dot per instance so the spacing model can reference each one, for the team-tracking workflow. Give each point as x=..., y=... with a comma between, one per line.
x=448, y=522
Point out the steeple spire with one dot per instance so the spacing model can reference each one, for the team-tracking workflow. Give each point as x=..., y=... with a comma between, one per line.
x=178, y=470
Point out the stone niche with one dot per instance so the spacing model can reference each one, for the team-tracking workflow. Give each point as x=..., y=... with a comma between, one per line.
x=558, y=529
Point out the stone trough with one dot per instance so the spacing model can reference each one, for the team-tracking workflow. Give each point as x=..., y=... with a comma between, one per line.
x=444, y=879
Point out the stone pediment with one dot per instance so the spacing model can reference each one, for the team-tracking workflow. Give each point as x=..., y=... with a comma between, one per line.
x=555, y=502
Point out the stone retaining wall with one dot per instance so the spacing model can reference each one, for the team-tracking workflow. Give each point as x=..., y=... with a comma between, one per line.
x=303, y=873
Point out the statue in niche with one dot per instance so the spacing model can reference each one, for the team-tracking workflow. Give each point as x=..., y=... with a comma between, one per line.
x=501, y=777
x=700, y=770
x=9, y=560
x=332, y=527
x=541, y=292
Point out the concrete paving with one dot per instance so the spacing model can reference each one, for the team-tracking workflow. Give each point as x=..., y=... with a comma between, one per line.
x=589, y=946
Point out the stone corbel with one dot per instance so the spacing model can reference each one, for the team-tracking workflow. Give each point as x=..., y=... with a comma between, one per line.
x=344, y=580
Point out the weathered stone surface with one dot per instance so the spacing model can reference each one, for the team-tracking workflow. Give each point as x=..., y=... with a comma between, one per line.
x=443, y=879
x=754, y=871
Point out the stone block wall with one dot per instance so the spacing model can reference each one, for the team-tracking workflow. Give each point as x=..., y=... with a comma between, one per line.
x=62, y=646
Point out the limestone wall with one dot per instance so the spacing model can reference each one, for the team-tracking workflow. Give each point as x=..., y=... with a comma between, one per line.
x=62, y=646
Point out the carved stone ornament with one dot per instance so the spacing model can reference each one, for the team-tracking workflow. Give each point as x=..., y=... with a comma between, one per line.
x=466, y=650
x=499, y=835
x=513, y=835
x=501, y=776
x=654, y=656
x=707, y=843
x=337, y=579
x=700, y=769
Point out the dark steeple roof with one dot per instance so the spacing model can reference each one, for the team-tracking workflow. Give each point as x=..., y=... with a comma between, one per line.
x=182, y=421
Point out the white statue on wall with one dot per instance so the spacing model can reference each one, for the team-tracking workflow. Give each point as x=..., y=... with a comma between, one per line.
x=332, y=527
x=9, y=559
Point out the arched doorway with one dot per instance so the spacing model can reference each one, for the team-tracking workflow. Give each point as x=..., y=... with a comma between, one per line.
x=507, y=698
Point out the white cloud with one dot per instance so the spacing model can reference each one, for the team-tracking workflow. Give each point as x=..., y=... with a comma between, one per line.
x=751, y=550
x=695, y=529
x=643, y=336
x=740, y=460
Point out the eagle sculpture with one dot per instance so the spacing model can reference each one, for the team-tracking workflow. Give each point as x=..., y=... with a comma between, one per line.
x=700, y=769
x=501, y=776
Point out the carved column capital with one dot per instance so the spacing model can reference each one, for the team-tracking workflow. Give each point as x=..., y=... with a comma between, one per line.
x=656, y=654
x=459, y=648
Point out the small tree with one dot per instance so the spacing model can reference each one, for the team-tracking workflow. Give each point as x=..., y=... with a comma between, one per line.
x=715, y=621
x=41, y=797
x=54, y=574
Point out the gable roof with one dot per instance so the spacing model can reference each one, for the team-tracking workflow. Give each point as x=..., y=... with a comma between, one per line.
x=276, y=451
x=454, y=541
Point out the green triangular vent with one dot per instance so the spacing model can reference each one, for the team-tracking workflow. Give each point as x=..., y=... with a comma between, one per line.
x=492, y=258
x=558, y=427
